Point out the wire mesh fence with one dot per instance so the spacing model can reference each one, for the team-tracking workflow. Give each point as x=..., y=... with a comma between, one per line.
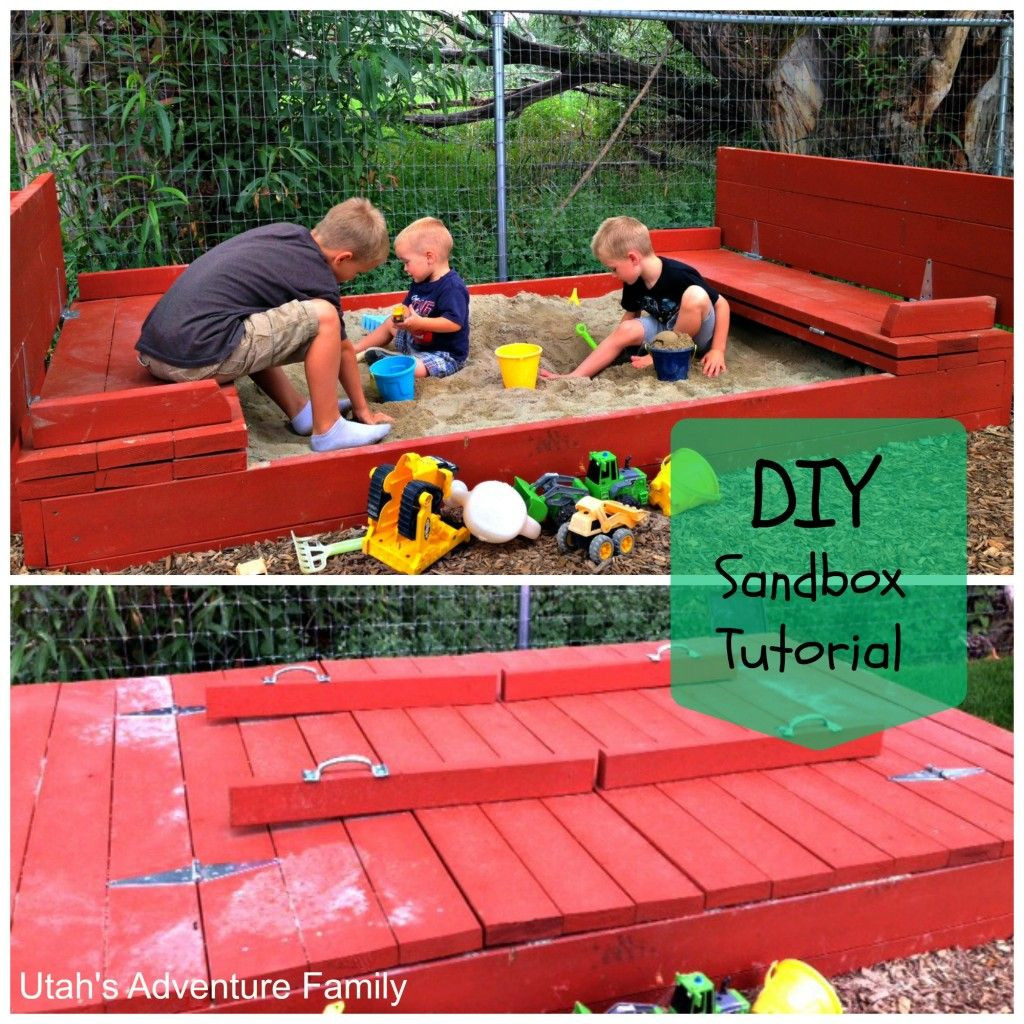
x=102, y=632
x=171, y=131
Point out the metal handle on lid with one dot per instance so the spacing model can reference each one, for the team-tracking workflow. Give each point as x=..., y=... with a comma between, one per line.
x=790, y=729
x=656, y=656
x=378, y=771
x=319, y=676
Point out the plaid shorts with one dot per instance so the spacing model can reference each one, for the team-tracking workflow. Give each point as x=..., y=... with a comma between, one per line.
x=438, y=364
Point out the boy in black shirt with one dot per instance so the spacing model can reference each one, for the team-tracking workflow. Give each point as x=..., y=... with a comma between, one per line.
x=434, y=328
x=268, y=297
x=657, y=295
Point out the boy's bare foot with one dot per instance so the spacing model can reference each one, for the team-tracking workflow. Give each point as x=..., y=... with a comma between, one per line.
x=641, y=362
x=550, y=375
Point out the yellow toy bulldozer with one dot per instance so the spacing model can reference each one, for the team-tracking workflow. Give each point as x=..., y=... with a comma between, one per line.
x=405, y=529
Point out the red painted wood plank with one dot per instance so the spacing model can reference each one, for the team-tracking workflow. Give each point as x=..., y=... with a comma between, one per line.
x=344, y=929
x=247, y=916
x=135, y=476
x=209, y=465
x=966, y=842
x=78, y=366
x=656, y=886
x=54, y=462
x=993, y=735
x=453, y=737
x=223, y=437
x=954, y=797
x=66, y=935
x=580, y=888
x=153, y=932
x=910, y=849
x=124, y=370
x=288, y=799
x=667, y=239
x=33, y=531
x=726, y=876
x=427, y=913
x=939, y=315
x=32, y=709
x=56, y=486
x=853, y=858
x=609, y=728
x=572, y=670
x=130, y=451
x=507, y=900
x=505, y=734
x=275, y=747
x=554, y=728
x=106, y=284
x=962, y=748
x=333, y=735
x=355, y=684
x=98, y=417
x=791, y=868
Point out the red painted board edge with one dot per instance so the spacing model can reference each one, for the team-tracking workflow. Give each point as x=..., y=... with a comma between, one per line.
x=903, y=319
x=262, y=803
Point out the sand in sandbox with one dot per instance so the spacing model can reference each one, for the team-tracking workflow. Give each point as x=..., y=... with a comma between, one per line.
x=757, y=358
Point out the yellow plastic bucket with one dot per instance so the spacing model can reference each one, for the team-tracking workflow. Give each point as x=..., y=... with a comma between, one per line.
x=696, y=480
x=519, y=364
x=791, y=986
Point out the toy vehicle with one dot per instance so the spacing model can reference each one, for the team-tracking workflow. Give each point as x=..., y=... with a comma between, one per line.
x=695, y=993
x=603, y=480
x=603, y=528
x=406, y=531
x=551, y=499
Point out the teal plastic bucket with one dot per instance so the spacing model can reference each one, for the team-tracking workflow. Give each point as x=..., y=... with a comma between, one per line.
x=394, y=377
x=672, y=363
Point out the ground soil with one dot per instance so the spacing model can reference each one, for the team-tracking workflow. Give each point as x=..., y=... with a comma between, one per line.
x=474, y=398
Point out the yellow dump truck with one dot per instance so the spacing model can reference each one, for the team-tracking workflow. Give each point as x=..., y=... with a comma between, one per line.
x=601, y=528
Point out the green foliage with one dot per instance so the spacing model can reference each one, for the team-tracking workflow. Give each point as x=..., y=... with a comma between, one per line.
x=990, y=691
x=106, y=631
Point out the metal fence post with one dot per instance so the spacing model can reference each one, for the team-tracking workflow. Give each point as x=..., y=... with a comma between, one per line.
x=523, y=638
x=1005, y=70
x=498, y=44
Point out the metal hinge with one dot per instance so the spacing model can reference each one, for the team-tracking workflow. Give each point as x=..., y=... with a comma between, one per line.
x=190, y=874
x=932, y=774
x=173, y=709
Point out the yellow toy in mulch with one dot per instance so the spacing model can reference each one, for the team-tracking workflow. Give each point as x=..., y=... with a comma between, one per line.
x=406, y=530
x=791, y=986
x=698, y=484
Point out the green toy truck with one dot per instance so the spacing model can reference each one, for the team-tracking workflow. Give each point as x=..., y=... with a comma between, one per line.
x=551, y=499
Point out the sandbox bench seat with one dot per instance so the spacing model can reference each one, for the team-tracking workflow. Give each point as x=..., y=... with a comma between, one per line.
x=904, y=269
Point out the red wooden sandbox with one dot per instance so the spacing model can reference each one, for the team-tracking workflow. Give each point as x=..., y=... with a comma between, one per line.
x=579, y=835
x=111, y=467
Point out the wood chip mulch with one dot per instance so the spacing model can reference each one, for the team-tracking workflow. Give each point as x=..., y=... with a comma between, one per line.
x=989, y=539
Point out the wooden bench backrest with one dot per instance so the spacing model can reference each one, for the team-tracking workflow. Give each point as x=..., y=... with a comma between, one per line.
x=39, y=288
x=873, y=224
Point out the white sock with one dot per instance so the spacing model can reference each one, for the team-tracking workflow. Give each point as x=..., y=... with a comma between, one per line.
x=345, y=434
x=302, y=421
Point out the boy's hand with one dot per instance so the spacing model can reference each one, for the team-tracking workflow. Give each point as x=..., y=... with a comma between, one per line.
x=370, y=418
x=713, y=363
x=641, y=362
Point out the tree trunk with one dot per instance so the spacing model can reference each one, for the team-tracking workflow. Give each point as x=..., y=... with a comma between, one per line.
x=796, y=95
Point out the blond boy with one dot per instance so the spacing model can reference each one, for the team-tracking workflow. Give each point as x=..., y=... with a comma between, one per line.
x=268, y=297
x=657, y=295
x=434, y=325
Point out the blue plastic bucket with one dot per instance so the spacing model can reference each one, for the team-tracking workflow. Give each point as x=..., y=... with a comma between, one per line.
x=371, y=322
x=394, y=377
x=672, y=363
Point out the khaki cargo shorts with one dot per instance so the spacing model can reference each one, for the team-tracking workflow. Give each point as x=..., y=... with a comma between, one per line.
x=273, y=338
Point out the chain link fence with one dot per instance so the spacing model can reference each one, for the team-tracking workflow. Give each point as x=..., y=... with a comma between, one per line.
x=171, y=131
x=103, y=632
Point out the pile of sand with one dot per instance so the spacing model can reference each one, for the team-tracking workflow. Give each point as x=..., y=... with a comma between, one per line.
x=474, y=398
